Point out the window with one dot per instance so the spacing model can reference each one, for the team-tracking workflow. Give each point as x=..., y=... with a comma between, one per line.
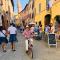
x=1, y=2
x=33, y=4
x=32, y=15
x=39, y=7
x=47, y=2
x=35, y=11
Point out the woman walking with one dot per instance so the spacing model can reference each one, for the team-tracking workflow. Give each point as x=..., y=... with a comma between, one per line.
x=12, y=31
x=3, y=39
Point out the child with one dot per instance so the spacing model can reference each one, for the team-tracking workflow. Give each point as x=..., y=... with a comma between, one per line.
x=27, y=34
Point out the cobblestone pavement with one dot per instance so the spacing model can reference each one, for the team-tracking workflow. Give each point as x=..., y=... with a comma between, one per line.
x=40, y=51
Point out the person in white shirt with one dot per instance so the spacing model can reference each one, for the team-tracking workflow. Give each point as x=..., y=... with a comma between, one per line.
x=12, y=31
x=3, y=39
x=46, y=32
x=47, y=29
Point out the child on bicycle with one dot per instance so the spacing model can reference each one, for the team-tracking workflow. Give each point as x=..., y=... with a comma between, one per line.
x=28, y=37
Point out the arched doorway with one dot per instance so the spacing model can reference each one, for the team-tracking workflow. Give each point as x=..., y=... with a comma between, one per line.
x=57, y=18
x=57, y=22
x=47, y=19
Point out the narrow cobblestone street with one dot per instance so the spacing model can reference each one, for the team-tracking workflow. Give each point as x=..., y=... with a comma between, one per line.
x=40, y=51
x=38, y=18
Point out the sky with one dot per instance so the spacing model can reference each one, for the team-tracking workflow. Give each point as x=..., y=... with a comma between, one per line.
x=23, y=3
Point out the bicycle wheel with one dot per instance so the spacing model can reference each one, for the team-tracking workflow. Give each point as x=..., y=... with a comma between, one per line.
x=32, y=54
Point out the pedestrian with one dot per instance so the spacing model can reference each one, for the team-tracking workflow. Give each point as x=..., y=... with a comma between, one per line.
x=40, y=28
x=12, y=31
x=47, y=28
x=40, y=31
x=3, y=38
x=58, y=33
x=46, y=32
x=36, y=29
x=32, y=28
x=22, y=28
x=28, y=35
x=52, y=28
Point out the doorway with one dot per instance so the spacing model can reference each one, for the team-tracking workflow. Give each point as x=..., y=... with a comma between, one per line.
x=47, y=19
x=57, y=22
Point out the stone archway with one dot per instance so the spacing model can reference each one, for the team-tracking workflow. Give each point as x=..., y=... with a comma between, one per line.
x=47, y=19
x=57, y=18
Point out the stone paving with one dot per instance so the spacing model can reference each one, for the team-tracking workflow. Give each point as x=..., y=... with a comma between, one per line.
x=40, y=51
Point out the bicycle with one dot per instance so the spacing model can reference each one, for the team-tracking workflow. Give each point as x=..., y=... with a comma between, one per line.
x=30, y=48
